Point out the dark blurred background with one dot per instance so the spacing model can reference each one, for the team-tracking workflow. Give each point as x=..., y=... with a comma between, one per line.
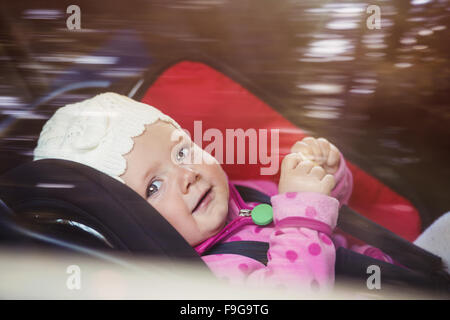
x=381, y=95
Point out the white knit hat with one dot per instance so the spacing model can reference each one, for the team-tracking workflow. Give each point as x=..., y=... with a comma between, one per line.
x=97, y=132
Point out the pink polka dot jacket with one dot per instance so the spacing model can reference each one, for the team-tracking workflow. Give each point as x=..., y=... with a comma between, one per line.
x=301, y=251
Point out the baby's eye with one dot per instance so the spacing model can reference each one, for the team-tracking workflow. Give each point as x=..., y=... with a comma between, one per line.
x=182, y=154
x=153, y=187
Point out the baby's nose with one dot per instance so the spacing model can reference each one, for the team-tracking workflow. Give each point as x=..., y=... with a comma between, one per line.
x=189, y=177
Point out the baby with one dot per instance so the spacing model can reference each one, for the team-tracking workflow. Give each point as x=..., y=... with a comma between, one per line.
x=149, y=152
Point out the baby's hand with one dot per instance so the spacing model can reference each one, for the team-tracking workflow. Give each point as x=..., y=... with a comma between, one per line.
x=298, y=175
x=320, y=151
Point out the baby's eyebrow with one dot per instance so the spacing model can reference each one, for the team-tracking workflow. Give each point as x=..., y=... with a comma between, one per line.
x=179, y=136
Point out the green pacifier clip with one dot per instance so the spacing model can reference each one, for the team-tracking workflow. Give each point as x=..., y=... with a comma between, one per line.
x=262, y=214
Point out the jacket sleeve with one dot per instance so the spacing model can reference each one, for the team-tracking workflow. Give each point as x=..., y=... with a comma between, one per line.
x=300, y=256
x=344, y=183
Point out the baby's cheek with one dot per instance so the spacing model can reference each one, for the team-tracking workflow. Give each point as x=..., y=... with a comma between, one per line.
x=191, y=229
x=205, y=227
x=173, y=209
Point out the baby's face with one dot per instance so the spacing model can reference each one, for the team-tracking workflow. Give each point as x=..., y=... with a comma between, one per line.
x=191, y=195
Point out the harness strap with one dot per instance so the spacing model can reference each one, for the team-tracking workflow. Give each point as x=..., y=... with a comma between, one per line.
x=252, y=195
x=256, y=250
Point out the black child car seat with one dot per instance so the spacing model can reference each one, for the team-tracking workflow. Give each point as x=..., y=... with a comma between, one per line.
x=69, y=205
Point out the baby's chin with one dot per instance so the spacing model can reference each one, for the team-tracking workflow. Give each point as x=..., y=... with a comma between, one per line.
x=211, y=233
x=213, y=224
x=221, y=221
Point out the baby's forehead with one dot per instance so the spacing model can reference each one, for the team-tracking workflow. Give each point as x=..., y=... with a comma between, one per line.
x=154, y=148
x=166, y=132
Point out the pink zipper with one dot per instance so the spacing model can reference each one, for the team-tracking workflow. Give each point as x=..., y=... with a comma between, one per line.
x=235, y=195
x=228, y=229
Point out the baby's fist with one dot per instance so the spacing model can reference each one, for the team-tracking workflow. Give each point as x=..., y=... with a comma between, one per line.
x=298, y=175
x=320, y=151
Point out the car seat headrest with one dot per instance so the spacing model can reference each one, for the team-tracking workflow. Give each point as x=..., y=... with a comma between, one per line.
x=56, y=196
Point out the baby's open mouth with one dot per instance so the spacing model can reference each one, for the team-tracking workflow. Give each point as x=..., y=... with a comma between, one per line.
x=203, y=201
